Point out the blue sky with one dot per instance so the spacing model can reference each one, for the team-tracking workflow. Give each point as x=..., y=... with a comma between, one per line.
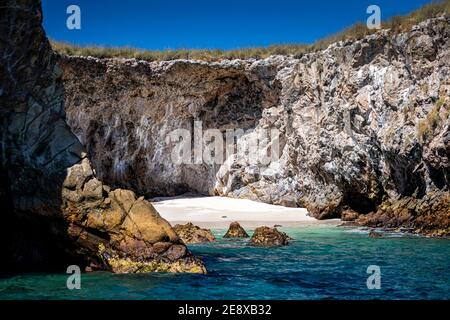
x=158, y=24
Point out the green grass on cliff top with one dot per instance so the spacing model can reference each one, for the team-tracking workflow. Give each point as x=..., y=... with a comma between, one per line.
x=397, y=24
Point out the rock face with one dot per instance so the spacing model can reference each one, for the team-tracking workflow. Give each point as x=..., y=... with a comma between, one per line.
x=269, y=237
x=235, y=231
x=57, y=211
x=123, y=111
x=362, y=124
x=190, y=233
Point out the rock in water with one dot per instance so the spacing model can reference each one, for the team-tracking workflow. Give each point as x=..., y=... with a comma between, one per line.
x=429, y=215
x=190, y=233
x=235, y=231
x=269, y=237
x=374, y=234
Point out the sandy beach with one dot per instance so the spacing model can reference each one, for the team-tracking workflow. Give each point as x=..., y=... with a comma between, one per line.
x=221, y=211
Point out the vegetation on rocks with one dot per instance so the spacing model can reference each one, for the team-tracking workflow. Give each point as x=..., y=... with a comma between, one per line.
x=438, y=116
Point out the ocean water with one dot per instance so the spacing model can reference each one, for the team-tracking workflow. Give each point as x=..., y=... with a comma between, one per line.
x=321, y=263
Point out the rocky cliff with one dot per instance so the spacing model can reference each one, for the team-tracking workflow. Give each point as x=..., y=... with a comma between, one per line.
x=364, y=126
x=55, y=211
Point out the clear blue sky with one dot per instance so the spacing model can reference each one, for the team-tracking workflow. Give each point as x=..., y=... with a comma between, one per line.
x=162, y=24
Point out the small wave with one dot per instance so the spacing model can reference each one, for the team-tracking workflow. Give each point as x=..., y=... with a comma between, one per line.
x=358, y=230
x=228, y=259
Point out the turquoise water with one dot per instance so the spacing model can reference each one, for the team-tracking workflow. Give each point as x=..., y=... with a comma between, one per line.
x=321, y=263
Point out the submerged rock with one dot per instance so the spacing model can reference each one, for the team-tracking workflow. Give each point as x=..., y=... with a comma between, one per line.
x=269, y=237
x=374, y=234
x=236, y=231
x=190, y=233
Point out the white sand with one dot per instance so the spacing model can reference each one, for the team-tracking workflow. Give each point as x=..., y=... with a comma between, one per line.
x=220, y=211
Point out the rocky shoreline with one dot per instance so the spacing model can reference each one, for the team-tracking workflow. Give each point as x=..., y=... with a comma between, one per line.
x=428, y=216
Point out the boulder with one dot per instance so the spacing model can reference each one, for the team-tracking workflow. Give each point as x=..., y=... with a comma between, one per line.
x=190, y=233
x=269, y=237
x=235, y=231
x=143, y=222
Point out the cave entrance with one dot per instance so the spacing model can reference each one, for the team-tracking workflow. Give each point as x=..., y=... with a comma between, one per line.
x=359, y=202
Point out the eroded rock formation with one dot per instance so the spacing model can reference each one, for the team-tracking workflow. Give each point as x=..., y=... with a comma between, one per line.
x=363, y=124
x=56, y=211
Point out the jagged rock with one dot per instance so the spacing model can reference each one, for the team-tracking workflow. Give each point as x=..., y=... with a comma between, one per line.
x=134, y=238
x=361, y=122
x=77, y=175
x=235, y=231
x=57, y=209
x=190, y=233
x=269, y=237
x=93, y=190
